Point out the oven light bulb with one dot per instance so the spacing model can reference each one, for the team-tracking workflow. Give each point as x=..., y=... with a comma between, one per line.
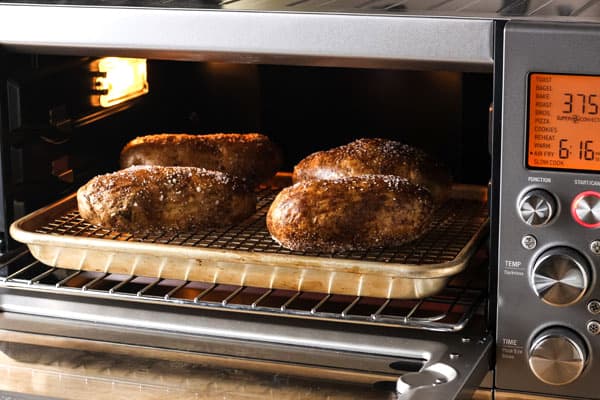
x=118, y=79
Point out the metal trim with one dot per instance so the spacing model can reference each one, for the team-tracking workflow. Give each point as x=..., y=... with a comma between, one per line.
x=366, y=40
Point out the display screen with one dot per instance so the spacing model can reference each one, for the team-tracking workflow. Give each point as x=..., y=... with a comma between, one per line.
x=564, y=122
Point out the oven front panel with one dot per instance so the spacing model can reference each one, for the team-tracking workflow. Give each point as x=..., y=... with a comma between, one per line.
x=548, y=251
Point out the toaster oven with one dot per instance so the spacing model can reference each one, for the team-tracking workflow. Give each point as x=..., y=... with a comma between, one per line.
x=499, y=299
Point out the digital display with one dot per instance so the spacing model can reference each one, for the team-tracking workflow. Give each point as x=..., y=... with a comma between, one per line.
x=564, y=122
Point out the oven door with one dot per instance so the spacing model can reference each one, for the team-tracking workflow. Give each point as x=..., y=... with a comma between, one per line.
x=96, y=325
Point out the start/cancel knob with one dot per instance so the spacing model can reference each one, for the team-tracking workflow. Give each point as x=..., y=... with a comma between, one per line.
x=537, y=207
x=557, y=356
x=560, y=276
x=585, y=209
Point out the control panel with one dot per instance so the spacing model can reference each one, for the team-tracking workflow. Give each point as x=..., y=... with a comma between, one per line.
x=548, y=303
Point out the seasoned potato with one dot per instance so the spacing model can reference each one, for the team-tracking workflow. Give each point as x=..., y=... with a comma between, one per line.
x=252, y=157
x=149, y=198
x=353, y=213
x=377, y=157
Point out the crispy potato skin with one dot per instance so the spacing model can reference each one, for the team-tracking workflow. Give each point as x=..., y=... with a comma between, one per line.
x=377, y=157
x=352, y=213
x=151, y=198
x=252, y=156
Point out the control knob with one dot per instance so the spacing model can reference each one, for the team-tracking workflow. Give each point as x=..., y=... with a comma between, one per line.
x=560, y=276
x=537, y=207
x=557, y=356
x=585, y=209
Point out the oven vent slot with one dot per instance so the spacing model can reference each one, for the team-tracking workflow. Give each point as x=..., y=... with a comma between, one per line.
x=447, y=311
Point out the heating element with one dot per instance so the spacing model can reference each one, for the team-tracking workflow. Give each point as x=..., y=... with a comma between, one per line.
x=449, y=310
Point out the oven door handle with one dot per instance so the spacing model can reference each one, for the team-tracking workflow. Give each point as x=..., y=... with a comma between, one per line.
x=454, y=376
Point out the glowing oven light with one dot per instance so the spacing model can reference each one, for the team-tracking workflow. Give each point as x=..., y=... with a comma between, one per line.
x=118, y=79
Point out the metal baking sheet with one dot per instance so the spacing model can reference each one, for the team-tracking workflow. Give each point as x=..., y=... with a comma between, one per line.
x=246, y=255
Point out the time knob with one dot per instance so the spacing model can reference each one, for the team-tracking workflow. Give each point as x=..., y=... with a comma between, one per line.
x=557, y=356
x=560, y=276
x=537, y=207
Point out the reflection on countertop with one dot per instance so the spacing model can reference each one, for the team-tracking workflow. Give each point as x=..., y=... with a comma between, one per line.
x=75, y=374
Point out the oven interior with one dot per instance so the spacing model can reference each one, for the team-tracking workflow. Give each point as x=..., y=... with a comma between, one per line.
x=54, y=139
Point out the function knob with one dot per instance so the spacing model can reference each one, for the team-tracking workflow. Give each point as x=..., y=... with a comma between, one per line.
x=557, y=356
x=560, y=276
x=585, y=209
x=537, y=207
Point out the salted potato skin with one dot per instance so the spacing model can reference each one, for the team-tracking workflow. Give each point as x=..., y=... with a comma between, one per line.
x=376, y=156
x=151, y=198
x=352, y=213
x=249, y=156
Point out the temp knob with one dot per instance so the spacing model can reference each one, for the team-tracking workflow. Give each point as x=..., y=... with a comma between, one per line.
x=560, y=276
x=537, y=207
x=585, y=209
x=557, y=356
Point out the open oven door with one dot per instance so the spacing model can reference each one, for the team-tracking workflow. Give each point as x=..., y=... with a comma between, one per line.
x=398, y=364
x=456, y=369
x=88, y=330
x=455, y=374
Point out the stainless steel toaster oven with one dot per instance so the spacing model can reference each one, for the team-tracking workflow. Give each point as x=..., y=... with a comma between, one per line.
x=498, y=299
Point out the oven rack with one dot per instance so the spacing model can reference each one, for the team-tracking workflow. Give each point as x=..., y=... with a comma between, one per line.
x=452, y=229
x=448, y=311
x=245, y=254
